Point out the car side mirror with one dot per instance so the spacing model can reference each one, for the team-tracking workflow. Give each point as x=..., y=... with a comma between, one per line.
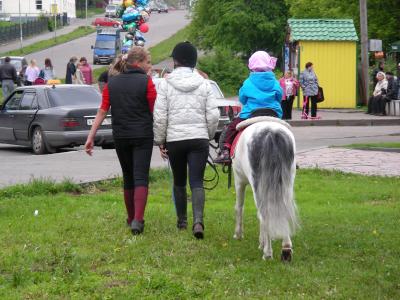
x=91, y=47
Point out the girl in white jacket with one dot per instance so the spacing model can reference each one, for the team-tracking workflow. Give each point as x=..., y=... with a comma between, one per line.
x=185, y=119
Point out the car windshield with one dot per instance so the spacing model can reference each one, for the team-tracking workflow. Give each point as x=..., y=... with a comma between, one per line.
x=105, y=45
x=74, y=96
x=16, y=63
x=111, y=7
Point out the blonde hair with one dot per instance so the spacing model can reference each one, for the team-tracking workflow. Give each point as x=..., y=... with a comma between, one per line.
x=135, y=55
x=289, y=73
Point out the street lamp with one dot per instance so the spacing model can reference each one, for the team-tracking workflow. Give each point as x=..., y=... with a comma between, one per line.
x=86, y=14
x=20, y=24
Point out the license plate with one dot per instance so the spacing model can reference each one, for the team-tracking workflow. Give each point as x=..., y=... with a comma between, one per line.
x=107, y=121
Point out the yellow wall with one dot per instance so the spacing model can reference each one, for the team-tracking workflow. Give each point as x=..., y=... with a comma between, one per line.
x=335, y=66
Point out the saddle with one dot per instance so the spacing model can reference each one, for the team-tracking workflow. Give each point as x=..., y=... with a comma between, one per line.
x=253, y=120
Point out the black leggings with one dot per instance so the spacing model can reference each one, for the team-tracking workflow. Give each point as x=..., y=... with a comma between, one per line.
x=192, y=153
x=134, y=156
x=287, y=106
x=313, y=100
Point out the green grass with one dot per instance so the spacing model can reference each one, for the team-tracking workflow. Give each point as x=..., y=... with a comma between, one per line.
x=77, y=33
x=91, y=12
x=79, y=247
x=159, y=52
x=6, y=24
x=163, y=50
x=374, y=145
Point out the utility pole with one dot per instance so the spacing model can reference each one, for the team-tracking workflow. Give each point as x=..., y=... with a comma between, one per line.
x=86, y=14
x=20, y=25
x=364, y=51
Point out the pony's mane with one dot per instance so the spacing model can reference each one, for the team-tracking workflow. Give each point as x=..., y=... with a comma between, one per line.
x=251, y=121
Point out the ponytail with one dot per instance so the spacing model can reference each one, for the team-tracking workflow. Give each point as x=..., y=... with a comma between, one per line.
x=134, y=56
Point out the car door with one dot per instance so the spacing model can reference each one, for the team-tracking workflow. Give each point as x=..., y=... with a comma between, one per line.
x=25, y=115
x=7, y=116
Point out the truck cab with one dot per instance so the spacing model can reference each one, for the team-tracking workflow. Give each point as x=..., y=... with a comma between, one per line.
x=107, y=46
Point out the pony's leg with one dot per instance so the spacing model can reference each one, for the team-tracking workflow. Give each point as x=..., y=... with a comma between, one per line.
x=267, y=250
x=240, y=193
x=287, y=251
x=261, y=237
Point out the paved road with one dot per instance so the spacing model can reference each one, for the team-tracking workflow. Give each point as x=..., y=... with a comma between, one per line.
x=162, y=26
x=18, y=164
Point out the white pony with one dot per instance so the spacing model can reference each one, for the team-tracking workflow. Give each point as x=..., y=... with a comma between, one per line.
x=265, y=159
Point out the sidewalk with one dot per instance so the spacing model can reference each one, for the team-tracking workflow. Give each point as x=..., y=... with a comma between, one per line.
x=364, y=162
x=75, y=23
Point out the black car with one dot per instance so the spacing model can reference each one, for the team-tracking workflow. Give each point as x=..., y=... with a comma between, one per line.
x=162, y=9
x=49, y=117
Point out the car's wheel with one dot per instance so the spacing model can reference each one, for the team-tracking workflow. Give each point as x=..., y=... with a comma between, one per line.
x=38, y=142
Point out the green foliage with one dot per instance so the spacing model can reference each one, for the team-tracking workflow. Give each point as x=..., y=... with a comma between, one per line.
x=228, y=70
x=241, y=26
x=383, y=23
x=373, y=146
x=78, y=246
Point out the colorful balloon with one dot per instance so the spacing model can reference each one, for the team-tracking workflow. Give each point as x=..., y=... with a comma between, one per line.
x=144, y=28
x=128, y=3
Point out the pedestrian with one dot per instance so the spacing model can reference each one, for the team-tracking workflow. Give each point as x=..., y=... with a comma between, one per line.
x=260, y=94
x=41, y=79
x=102, y=80
x=379, y=68
x=309, y=85
x=391, y=93
x=22, y=78
x=32, y=72
x=8, y=75
x=131, y=95
x=78, y=78
x=289, y=86
x=48, y=70
x=86, y=70
x=71, y=70
x=375, y=101
x=185, y=119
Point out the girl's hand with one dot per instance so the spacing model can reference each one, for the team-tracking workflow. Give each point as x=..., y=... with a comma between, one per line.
x=163, y=152
x=89, y=146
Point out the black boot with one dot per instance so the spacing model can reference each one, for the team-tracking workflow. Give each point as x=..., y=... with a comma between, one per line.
x=198, y=198
x=180, y=197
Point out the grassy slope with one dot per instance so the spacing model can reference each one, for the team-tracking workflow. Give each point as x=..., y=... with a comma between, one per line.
x=77, y=33
x=79, y=245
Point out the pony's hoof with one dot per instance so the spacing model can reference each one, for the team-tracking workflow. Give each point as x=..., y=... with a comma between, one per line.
x=238, y=236
x=286, y=255
x=267, y=257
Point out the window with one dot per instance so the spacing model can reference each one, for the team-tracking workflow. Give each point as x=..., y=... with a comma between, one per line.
x=39, y=5
x=13, y=103
x=26, y=102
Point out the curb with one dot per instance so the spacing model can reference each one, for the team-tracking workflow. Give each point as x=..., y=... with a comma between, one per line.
x=337, y=122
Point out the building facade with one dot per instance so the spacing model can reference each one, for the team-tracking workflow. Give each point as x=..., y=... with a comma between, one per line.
x=34, y=8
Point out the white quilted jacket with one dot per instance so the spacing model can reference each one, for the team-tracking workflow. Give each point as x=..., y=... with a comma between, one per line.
x=185, y=108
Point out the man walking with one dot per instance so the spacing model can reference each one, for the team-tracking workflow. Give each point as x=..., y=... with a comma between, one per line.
x=8, y=75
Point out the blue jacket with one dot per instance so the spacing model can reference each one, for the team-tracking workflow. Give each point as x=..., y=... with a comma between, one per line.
x=260, y=90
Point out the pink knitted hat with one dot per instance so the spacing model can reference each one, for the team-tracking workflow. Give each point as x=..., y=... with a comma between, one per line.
x=260, y=61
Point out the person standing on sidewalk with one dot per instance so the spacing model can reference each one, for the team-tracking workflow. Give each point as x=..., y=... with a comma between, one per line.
x=131, y=96
x=289, y=86
x=8, y=75
x=48, y=70
x=86, y=70
x=309, y=85
x=71, y=70
x=185, y=119
x=32, y=73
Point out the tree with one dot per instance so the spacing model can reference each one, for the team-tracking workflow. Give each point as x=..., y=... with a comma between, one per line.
x=242, y=26
x=383, y=16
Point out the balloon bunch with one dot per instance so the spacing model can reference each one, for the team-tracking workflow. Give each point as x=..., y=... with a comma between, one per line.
x=134, y=14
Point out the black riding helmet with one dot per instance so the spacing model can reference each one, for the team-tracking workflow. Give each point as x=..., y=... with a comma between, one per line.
x=185, y=54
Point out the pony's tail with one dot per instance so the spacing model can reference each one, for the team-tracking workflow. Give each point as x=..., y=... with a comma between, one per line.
x=272, y=159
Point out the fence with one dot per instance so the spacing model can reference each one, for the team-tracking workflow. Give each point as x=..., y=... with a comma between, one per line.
x=30, y=27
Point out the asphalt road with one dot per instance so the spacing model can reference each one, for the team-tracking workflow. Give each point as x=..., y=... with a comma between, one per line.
x=161, y=26
x=19, y=165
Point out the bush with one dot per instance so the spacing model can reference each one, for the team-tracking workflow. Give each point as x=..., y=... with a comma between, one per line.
x=228, y=70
